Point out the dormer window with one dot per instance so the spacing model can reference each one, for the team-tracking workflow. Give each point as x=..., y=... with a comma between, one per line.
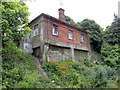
x=82, y=38
x=70, y=34
x=55, y=30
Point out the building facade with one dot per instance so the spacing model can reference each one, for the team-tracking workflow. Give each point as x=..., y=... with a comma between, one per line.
x=53, y=39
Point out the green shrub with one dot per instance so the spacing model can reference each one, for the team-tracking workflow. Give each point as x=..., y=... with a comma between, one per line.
x=20, y=70
x=111, y=55
x=84, y=74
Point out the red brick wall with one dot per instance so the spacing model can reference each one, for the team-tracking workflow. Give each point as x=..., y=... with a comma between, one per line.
x=63, y=33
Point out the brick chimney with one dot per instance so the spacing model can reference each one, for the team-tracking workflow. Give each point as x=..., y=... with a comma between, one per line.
x=61, y=14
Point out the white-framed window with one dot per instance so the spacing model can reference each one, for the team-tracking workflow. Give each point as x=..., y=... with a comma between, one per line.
x=82, y=38
x=55, y=30
x=36, y=30
x=70, y=34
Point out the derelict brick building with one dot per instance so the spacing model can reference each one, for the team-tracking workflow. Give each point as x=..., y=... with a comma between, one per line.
x=53, y=39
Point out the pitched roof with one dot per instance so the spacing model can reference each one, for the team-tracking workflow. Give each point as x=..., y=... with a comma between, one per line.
x=53, y=18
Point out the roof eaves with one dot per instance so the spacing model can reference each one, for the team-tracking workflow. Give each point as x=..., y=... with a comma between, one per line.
x=48, y=16
x=36, y=18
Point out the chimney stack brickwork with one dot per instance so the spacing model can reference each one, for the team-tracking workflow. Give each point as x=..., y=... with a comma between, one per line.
x=61, y=14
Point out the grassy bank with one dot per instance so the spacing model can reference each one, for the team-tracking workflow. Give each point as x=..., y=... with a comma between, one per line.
x=20, y=70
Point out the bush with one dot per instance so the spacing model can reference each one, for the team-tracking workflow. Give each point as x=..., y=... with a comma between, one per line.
x=84, y=74
x=20, y=70
x=111, y=55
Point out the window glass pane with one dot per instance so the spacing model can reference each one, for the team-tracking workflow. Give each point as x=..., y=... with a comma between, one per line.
x=82, y=38
x=32, y=34
x=36, y=30
x=70, y=35
x=36, y=27
x=55, y=30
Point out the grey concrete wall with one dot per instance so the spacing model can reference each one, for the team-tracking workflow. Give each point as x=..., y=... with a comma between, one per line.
x=37, y=40
x=79, y=54
x=56, y=53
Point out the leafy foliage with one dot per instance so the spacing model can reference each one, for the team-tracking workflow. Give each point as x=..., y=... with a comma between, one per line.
x=111, y=55
x=95, y=33
x=69, y=20
x=14, y=21
x=83, y=74
x=20, y=70
x=112, y=33
x=110, y=48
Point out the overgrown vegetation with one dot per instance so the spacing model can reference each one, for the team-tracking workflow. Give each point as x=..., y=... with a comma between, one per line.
x=111, y=44
x=83, y=74
x=69, y=20
x=95, y=33
x=14, y=22
x=20, y=70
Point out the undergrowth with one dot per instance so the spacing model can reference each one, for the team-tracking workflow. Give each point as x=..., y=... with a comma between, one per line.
x=83, y=74
x=20, y=70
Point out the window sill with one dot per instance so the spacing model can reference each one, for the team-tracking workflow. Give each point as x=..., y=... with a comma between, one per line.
x=55, y=35
x=81, y=42
x=35, y=36
x=71, y=39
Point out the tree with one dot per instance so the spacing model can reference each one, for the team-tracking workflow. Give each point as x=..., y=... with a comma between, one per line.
x=69, y=20
x=14, y=21
x=110, y=55
x=112, y=33
x=95, y=33
x=111, y=41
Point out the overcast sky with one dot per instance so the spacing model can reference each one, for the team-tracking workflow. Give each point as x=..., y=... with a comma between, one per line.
x=102, y=11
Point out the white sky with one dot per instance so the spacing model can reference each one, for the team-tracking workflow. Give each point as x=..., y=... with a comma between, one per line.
x=102, y=11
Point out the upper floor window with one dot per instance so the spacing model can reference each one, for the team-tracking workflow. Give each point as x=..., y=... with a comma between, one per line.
x=30, y=35
x=32, y=32
x=82, y=38
x=36, y=30
x=70, y=34
x=55, y=30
